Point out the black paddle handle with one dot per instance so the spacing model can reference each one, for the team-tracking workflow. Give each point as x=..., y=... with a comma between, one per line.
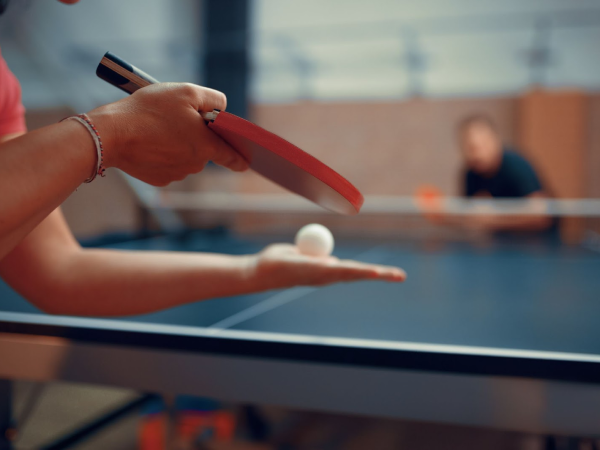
x=123, y=75
x=129, y=78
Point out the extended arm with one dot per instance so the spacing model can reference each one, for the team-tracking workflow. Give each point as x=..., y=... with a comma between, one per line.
x=491, y=222
x=51, y=270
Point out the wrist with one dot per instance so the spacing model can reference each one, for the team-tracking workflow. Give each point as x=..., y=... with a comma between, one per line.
x=103, y=120
x=84, y=152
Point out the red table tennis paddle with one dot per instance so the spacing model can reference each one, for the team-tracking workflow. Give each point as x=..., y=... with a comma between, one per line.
x=429, y=199
x=268, y=154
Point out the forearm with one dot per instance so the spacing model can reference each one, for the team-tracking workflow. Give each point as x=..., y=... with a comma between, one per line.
x=38, y=171
x=117, y=283
x=517, y=223
x=494, y=223
x=51, y=270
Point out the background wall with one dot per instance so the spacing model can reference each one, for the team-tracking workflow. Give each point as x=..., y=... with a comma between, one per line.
x=54, y=48
x=372, y=88
x=400, y=48
x=385, y=148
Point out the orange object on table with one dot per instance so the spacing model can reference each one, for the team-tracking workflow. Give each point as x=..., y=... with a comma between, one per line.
x=429, y=199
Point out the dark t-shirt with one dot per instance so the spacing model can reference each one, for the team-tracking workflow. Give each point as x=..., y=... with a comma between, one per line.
x=515, y=178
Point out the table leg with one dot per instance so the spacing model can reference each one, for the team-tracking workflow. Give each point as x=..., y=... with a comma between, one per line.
x=170, y=422
x=5, y=414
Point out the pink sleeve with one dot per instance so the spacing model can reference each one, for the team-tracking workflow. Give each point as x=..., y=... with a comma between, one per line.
x=12, y=112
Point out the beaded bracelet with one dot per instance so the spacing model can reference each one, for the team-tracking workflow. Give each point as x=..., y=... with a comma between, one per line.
x=87, y=123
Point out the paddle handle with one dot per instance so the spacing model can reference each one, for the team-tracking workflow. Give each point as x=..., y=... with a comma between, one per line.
x=129, y=78
x=123, y=75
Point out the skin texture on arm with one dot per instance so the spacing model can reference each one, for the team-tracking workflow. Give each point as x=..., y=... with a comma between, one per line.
x=51, y=270
x=38, y=171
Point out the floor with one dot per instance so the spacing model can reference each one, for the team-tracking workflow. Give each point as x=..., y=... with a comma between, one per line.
x=63, y=407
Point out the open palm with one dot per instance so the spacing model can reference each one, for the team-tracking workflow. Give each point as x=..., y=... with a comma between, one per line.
x=282, y=265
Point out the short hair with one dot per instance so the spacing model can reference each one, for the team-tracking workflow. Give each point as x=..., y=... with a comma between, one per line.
x=476, y=119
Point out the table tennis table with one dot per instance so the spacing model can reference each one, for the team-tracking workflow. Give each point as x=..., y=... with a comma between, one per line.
x=503, y=335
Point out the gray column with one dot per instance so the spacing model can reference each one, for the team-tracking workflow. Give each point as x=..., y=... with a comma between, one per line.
x=226, y=65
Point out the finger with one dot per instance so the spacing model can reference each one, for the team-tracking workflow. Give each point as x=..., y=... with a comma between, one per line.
x=345, y=274
x=349, y=271
x=391, y=274
x=205, y=99
x=213, y=100
x=221, y=153
x=387, y=273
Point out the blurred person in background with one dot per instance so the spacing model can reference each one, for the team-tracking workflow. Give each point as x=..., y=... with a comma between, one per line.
x=157, y=136
x=494, y=170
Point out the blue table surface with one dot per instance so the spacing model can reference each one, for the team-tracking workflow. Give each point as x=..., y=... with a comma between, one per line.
x=516, y=296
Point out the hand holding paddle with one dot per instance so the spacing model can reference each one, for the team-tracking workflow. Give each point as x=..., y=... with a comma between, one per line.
x=158, y=137
x=267, y=153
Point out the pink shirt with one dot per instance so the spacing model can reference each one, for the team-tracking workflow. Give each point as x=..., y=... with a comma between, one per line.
x=12, y=112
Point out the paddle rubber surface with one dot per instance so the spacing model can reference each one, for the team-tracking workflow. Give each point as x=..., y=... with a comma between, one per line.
x=287, y=165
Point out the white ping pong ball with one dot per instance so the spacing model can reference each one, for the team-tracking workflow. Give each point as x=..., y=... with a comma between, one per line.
x=314, y=240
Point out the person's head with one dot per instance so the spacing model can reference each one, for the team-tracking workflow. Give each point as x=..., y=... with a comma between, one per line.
x=480, y=143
